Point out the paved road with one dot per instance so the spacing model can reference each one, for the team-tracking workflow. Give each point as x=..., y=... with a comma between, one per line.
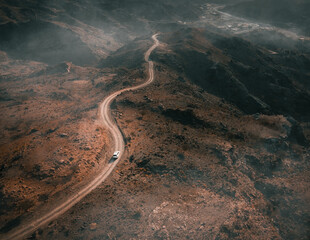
x=28, y=228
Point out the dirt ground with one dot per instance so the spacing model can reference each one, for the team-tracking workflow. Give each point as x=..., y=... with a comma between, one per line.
x=51, y=137
x=196, y=168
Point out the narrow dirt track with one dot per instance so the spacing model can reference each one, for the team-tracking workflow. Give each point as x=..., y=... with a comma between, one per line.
x=28, y=228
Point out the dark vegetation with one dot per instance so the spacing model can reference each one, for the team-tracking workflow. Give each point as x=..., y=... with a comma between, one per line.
x=248, y=76
x=227, y=118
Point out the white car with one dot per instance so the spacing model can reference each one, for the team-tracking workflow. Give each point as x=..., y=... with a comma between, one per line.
x=116, y=154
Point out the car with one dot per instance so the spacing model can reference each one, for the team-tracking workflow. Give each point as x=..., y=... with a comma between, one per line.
x=116, y=154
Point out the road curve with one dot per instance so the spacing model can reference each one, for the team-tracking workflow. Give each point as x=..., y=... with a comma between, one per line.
x=107, y=120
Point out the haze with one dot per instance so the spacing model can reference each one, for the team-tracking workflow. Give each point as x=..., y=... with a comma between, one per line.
x=136, y=119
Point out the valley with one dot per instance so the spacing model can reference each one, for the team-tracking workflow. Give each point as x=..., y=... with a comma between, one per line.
x=214, y=140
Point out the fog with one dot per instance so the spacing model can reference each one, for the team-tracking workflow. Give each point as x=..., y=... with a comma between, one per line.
x=85, y=31
x=80, y=31
x=225, y=121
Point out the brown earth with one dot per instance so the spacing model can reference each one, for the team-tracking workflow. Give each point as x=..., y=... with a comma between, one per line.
x=216, y=148
x=51, y=137
x=197, y=168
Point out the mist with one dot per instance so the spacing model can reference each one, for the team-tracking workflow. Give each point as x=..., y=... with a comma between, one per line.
x=56, y=31
x=216, y=144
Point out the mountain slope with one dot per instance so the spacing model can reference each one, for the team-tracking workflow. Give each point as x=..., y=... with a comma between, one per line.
x=217, y=147
x=242, y=73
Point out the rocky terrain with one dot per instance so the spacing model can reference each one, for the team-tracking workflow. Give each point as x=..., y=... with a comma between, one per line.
x=216, y=148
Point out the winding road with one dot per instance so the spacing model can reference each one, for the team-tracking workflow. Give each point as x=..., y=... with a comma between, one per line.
x=23, y=230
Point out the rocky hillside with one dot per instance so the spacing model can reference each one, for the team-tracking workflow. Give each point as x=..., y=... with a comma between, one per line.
x=81, y=31
x=199, y=165
x=217, y=147
x=249, y=76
